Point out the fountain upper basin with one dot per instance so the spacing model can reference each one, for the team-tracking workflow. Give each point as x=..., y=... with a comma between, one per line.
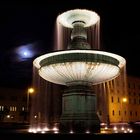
x=88, y=17
x=79, y=66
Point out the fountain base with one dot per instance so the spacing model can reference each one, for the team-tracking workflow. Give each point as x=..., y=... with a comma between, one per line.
x=79, y=110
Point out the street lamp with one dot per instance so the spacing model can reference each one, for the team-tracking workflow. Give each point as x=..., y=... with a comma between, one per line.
x=30, y=91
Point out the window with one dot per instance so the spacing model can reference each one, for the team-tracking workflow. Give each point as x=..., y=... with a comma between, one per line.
x=23, y=108
x=134, y=101
x=113, y=113
x=109, y=83
x=119, y=112
x=125, y=112
x=118, y=99
x=13, y=108
x=136, y=113
x=113, y=83
x=112, y=100
x=1, y=108
x=130, y=113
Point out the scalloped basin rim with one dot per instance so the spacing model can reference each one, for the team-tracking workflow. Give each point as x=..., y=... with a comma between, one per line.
x=79, y=57
x=87, y=16
x=39, y=61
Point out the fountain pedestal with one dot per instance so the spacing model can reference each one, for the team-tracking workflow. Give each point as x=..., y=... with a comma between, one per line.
x=79, y=110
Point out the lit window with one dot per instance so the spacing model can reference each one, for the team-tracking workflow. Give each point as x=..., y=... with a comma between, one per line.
x=13, y=108
x=1, y=108
x=23, y=109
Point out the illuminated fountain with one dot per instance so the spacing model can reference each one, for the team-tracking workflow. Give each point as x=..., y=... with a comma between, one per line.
x=79, y=67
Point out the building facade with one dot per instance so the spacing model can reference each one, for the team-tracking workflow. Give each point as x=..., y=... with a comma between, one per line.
x=117, y=103
x=134, y=98
x=13, y=104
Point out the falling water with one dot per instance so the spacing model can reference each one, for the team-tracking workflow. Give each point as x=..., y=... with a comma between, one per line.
x=116, y=89
x=93, y=33
x=45, y=105
x=62, y=36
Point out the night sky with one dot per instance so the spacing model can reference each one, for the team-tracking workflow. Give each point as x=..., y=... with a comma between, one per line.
x=30, y=24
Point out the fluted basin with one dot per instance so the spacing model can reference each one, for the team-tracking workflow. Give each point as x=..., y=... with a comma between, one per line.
x=76, y=66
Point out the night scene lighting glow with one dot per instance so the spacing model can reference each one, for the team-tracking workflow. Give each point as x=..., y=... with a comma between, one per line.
x=25, y=51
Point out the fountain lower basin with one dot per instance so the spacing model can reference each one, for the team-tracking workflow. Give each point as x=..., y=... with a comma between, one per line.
x=74, y=66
